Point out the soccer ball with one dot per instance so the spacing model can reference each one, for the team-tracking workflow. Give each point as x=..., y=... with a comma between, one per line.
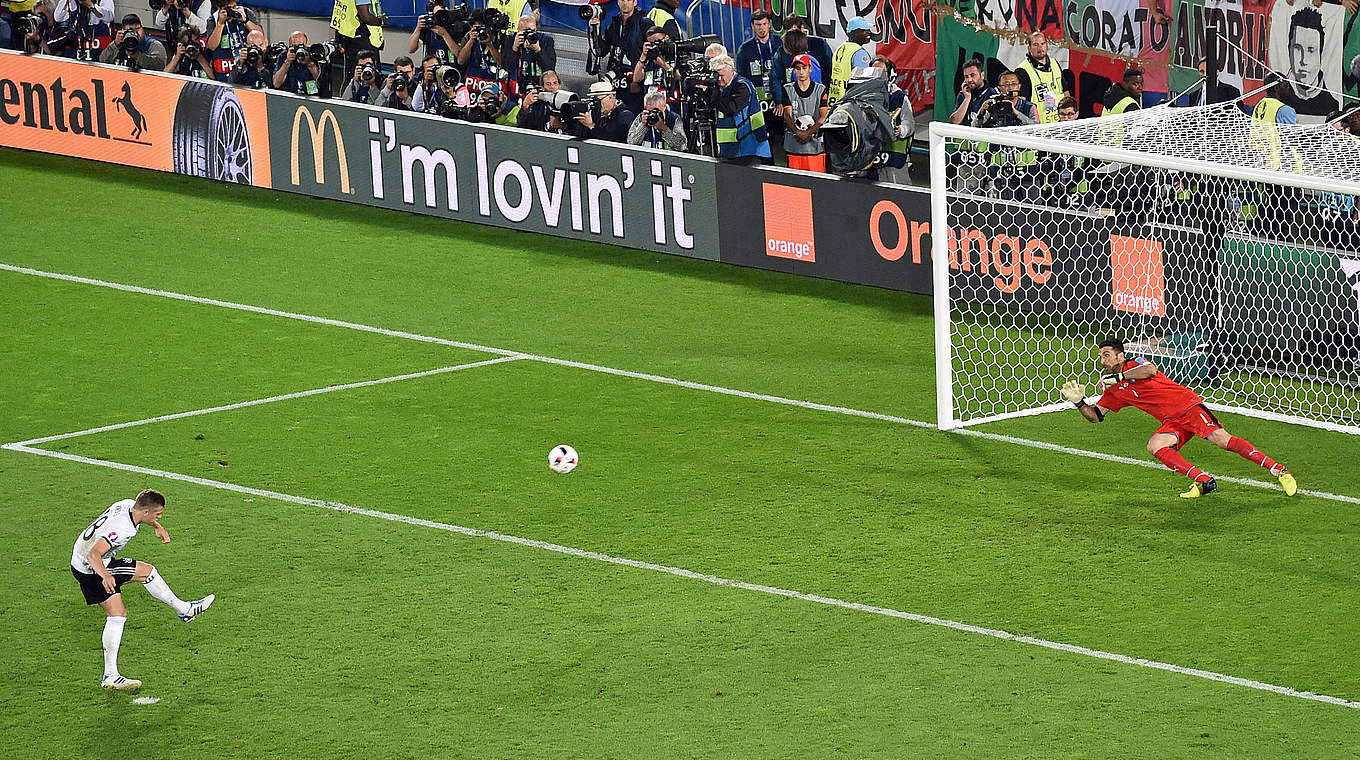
x=562, y=459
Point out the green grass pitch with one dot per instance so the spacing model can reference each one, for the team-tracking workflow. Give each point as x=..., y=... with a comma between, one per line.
x=343, y=635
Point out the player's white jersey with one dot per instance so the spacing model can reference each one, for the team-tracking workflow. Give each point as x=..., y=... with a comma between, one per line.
x=115, y=525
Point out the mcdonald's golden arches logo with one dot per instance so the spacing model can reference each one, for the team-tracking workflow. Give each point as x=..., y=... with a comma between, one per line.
x=316, y=128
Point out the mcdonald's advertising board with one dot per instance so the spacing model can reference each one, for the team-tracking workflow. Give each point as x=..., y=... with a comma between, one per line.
x=152, y=121
x=528, y=181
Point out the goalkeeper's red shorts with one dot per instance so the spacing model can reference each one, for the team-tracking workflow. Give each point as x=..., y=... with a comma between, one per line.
x=1195, y=421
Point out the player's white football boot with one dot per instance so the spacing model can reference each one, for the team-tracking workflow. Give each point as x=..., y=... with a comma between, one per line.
x=119, y=683
x=196, y=608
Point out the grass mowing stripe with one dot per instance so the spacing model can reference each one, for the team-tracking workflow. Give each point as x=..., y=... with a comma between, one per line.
x=641, y=376
x=693, y=575
x=268, y=400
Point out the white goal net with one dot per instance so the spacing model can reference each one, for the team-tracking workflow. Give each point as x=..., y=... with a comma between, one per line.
x=1222, y=248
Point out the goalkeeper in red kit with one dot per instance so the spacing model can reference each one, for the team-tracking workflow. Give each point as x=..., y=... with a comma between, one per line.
x=1137, y=382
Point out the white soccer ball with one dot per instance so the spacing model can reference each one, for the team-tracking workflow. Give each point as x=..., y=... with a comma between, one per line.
x=562, y=459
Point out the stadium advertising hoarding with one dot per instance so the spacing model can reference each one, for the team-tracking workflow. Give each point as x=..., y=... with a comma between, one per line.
x=653, y=200
x=108, y=113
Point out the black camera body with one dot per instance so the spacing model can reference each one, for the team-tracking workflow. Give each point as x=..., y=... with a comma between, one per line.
x=400, y=81
x=368, y=73
x=191, y=48
x=653, y=117
x=531, y=37
x=574, y=108
x=254, y=56
x=235, y=14
x=131, y=43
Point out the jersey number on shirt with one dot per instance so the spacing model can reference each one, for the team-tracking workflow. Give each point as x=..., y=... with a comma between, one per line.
x=94, y=526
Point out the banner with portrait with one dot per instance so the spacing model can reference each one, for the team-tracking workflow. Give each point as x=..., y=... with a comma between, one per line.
x=1306, y=45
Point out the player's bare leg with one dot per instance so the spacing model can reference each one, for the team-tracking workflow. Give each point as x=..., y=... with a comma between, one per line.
x=113, y=637
x=1243, y=448
x=156, y=586
x=1162, y=446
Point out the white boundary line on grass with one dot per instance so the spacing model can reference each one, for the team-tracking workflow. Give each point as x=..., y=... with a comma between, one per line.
x=640, y=376
x=713, y=579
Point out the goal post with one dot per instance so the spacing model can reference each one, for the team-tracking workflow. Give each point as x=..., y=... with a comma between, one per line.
x=1223, y=249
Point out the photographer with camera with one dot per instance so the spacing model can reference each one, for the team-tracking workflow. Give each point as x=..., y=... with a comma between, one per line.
x=253, y=69
x=528, y=53
x=620, y=45
x=173, y=14
x=362, y=87
x=423, y=92
x=228, y=36
x=190, y=58
x=36, y=32
x=399, y=88
x=599, y=116
x=1005, y=108
x=806, y=109
x=896, y=167
x=740, y=125
x=656, y=125
x=480, y=57
x=86, y=20
x=133, y=49
x=655, y=69
x=299, y=72
x=440, y=30
x=358, y=26
x=540, y=110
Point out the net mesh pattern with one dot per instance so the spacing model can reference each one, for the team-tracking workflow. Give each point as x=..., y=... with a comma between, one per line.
x=1248, y=292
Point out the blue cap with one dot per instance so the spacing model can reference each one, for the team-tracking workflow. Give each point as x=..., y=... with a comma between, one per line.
x=491, y=89
x=857, y=23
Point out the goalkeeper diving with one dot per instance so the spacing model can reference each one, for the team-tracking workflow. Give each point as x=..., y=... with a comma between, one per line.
x=1136, y=382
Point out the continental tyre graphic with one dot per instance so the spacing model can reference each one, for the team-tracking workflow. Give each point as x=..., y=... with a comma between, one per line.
x=210, y=137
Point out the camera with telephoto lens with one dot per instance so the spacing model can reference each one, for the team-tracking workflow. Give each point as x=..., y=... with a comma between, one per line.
x=368, y=72
x=671, y=50
x=448, y=76
x=556, y=100
x=301, y=55
x=574, y=108
x=131, y=43
x=254, y=56
x=30, y=23
x=325, y=51
x=191, y=48
x=590, y=12
x=400, y=81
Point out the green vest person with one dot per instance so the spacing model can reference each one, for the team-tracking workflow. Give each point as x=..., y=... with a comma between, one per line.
x=663, y=15
x=1042, y=79
x=849, y=56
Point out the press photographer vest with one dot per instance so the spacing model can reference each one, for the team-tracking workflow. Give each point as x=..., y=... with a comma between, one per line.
x=1265, y=134
x=513, y=10
x=841, y=69
x=1045, y=88
x=898, y=149
x=1121, y=106
x=660, y=17
x=743, y=134
x=345, y=20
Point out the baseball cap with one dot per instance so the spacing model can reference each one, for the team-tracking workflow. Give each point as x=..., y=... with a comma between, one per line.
x=857, y=23
x=804, y=59
x=601, y=88
x=491, y=89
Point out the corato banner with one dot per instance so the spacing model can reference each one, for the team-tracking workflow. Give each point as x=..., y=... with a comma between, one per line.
x=633, y=197
x=155, y=121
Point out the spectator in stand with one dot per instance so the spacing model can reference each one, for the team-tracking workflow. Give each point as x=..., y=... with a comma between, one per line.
x=400, y=85
x=972, y=94
x=755, y=59
x=663, y=16
x=358, y=26
x=228, y=36
x=897, y=167
x=535, y=114
x=149, y=54
x=1125, y=95
x=614, y=119
x=805, y=110
x=1043, y=81
x=301, y=76
x=817, y=47
x=528, y=52
x=252, y=68
x=656, y=125
x=88, y=19
x=438, y=40
x=740, y=126
x=424, y=96
x=621, y=44
x=180, y=13
x=362, y=86
x=191, y=57
x=480, y=56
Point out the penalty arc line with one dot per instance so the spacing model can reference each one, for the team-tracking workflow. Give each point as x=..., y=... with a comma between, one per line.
x=698, y=576
x=639, y=376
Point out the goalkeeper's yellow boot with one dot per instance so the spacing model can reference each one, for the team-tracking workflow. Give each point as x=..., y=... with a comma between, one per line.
x=1198, y=489
x=1288, y=483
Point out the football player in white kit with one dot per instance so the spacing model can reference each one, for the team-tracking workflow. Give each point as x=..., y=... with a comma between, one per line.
x=102, y=575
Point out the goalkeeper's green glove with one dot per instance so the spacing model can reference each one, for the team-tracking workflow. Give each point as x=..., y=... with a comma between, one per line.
x=1111, y=378
x=1075, y=392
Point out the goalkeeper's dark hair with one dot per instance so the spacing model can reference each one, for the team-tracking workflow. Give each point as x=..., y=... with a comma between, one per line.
x=1115, y=343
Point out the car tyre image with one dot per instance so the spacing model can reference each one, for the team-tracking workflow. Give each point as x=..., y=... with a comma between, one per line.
x=210, y=138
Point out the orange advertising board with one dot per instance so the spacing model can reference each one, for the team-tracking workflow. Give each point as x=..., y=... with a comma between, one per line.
x=1138, y=278
x=788, y=222
x=153, y=121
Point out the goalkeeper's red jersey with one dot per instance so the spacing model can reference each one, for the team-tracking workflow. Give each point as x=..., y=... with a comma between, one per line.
x=1159, y=395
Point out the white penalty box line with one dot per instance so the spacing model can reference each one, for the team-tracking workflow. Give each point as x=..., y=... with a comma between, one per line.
x=1046, y=446
x=704, y=577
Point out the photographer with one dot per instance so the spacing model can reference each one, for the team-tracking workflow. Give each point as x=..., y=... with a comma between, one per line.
x=897, y=166
x=806, y=110
x=132, y=48
x=297, y=72
x=87, y=20
x=657, y=126
x=654, y=69
x=480, y=56
x=173, y=14
x=439, y=31
x=37, y=33
x=1006, y=108
x=190, y=59
x=535, y=112
x=741, y=134
x=362, y=87
x=252, y=68
x=621, y=43
x=358, y=26
x=602, y=117
x=424, y=92
x=496, y=107
x=528, y=53
x=228, y=37
x=972, y=94
x=399, y=87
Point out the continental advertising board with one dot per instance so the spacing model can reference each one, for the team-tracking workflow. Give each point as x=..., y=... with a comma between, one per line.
x=527, y=181
x=153, y=121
